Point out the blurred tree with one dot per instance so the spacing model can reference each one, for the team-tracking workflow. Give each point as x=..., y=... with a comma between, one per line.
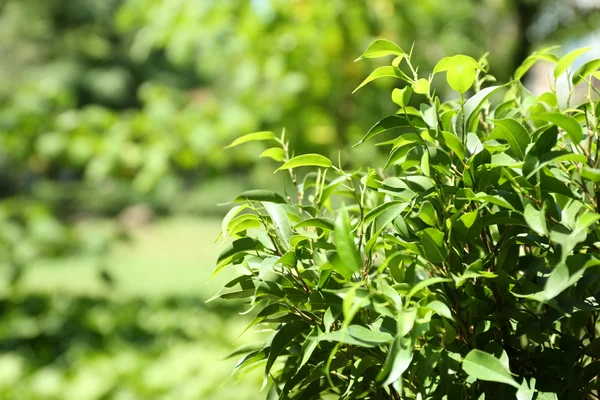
x=105, y=103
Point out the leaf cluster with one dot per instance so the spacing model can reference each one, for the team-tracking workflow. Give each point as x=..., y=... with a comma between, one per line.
x=466, y=267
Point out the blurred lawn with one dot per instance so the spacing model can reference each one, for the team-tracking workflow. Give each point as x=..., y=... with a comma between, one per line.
x=68, y=336
x=174, y=256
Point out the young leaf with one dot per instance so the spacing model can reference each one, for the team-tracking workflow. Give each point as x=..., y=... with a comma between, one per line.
x=585, y=70
x=306, y=160
x=565, y=62
x=263, y=135
x=275, y=153
x=421, y=86
x=381, y=72
x=381, y=48
x=402, y=96
x=483, y=366
x=543, y=54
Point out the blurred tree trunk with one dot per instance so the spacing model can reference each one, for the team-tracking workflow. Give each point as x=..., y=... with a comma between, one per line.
x=526, y=11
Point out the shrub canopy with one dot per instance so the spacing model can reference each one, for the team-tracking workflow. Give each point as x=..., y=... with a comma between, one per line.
x=465, y=267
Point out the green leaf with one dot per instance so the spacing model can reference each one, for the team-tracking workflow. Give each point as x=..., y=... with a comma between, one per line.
x=425, y=283
x=344, y=242
x=542, y=54
x=591, y=174
x=260, y=195
x=536, y=220
x=251, y=137
x=380, y=209
x=514, y=133
x=468, y=226
x=397, y=361
x=565, y=62
x=281, y=222
x=381, y=48
x=230, y=215
x=462, y=78
x=567, y=274
x=405, y=320
x=483, y=366
x=281, y=340
x=391, y=122
x=274, y=153
x=472, y=107
x=432, y=240
x=307, y=160
x=421, y=86
x=381, y=72
x=440, y=309
x=323, y=223
x=568, y=124
x=454, y=143
x=357, y=335
x=586, y=69
x=456, y=61
x=427, y=213
x=402, y=96
x=239, y=246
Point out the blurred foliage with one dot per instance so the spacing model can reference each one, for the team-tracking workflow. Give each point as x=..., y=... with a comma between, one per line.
x=57, y=347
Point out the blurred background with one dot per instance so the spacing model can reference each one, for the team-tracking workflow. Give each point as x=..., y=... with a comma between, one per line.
x=113, y=119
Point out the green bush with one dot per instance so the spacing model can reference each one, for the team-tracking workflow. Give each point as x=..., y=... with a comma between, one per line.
x=466, y=267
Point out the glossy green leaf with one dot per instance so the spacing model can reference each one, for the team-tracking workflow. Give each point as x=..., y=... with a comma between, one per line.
x=585, y=70
x=397, y=361
x=568, y=124
x=425, y=283
x=486, y=367
x=239, y=246
x=472, y=108
x=381, y=48
x=454, y=62
x=307, y=160
x=281, y=222
x=344, y=242
x=402, y=96
x=542, y=54
x=514, y=133
x=433, y=245
x=260, y=195
x=323, y=223
x=454, y=144
x=251, y=137
x=565, y=62
x=391, y=122
x=358, y=335
x=461, y=78
x=281, y=340
x=275, y=153
x=381, y=72
x=421, y=86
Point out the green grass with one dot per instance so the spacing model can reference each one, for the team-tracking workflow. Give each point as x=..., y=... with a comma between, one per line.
x=175, y=256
